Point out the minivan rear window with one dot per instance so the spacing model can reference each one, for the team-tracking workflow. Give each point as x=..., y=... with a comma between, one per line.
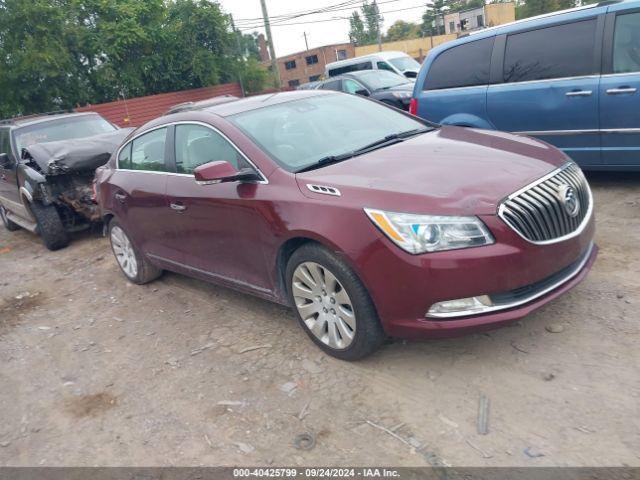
x=553, y=52
x=463, y=66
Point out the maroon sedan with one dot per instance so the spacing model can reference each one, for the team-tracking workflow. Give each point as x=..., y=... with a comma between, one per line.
x=367, y=221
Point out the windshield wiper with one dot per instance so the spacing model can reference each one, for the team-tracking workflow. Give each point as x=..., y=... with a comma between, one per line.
x=383, y=142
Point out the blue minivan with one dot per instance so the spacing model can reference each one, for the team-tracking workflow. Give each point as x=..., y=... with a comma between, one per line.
x=571, y=78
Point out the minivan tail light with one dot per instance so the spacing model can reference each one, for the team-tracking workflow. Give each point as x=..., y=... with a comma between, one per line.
x=413, y=107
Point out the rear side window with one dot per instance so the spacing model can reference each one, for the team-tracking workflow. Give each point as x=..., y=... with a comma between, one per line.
x=385, y=66
x=355, y=67
x=463, y=66
x=554, y=52
x=332, y=85
x=147, y=151
x=626, y=44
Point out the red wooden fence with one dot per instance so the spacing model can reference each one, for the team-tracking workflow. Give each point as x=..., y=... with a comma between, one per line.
x=137, y=111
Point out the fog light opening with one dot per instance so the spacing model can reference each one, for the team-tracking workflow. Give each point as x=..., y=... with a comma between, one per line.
x=469, y=305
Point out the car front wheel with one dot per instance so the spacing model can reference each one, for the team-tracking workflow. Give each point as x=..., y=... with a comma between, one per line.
x=132, y=263
x=332, y=305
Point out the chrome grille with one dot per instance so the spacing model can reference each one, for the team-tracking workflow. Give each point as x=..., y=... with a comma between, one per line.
x=544, y=211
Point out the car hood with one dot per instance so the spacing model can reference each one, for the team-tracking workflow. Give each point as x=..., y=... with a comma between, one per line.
x=449, y=171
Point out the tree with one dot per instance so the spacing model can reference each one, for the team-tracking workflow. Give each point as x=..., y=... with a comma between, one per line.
x=402, y=30
x=58, y=53
x=432, y=19
x=531, y=8
x=365, y=32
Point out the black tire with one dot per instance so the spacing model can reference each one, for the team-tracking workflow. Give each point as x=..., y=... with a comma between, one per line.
x=369, y=335
x=145, y=271
x=50, y=227
x=8, y=224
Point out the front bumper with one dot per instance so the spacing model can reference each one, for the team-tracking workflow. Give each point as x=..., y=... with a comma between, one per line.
x=517, y=275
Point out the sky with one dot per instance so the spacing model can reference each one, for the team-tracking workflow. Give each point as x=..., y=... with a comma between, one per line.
x=289, y=39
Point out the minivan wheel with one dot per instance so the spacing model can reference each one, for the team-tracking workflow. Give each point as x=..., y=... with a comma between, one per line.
x=331, y=304
x=132, y=263
x=8, y=224
x=50, y=226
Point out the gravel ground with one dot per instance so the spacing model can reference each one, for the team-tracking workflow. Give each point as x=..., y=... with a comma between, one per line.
x=97, y=371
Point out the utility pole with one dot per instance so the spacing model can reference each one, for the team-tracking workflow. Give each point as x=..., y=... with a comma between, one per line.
x=305, y=40
x=272, y=50
x=379, y=27
x=237, y=34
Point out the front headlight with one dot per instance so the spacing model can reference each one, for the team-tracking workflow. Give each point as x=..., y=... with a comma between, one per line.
x=431, y=233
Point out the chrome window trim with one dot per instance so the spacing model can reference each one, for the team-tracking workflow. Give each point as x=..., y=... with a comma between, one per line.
x=573, y=234
x=579, y=132
x=574, y=271
x=264, y=180
x=544, y=80
x=621, y=74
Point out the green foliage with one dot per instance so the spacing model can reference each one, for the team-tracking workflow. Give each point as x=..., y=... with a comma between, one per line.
x=58, y=53
x=531, y=8
x=364, y=26
x=402, y=30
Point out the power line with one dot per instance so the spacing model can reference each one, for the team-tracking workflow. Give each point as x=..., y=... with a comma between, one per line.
x=334, y=19
x=291, y=15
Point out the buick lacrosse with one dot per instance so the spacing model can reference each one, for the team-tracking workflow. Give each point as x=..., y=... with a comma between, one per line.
x=368, y=222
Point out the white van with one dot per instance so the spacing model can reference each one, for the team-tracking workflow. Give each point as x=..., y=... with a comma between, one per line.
x=397, y=62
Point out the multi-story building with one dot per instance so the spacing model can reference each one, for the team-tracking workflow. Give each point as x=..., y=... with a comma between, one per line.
x=308, y=66
x=481, y=17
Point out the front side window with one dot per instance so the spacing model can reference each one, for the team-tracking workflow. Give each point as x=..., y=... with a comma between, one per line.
x=555, y=52
x=298, y=133
x=463, y=66
x=147, y=151
x=385, y=66
x=405, y=63
x=351, y=86
x=332, y=85
x=197, y=145
x=382, y=80
x=626, y=44
x=124, y=157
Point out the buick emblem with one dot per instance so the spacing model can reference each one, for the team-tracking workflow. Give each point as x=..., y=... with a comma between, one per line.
x=569, y=199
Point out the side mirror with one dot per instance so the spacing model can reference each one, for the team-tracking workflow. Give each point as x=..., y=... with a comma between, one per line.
x=410, y=74
x=4, y=160
x=364, y=92
x=222, y=171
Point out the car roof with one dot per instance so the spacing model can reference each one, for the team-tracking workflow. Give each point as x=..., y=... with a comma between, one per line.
x=201, y=104
x=41, y=118
x=384, y=55
x=260, y=101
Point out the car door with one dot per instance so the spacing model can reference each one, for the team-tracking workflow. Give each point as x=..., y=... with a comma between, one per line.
x=9, y=191
x=138, y=188
x=547, y=86
x=620, y=90
x=218, y=228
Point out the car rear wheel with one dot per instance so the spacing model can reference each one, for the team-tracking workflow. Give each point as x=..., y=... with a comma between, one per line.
x=50, y=226
x=132, y=263
x=331, y=304
x=8, y=224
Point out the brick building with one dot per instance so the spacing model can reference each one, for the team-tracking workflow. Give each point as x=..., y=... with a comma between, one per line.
x=308, y=66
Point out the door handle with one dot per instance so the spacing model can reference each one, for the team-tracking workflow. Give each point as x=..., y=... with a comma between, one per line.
x=579, y=93
x=178, y=207
x=121, y=197
x=621, y=90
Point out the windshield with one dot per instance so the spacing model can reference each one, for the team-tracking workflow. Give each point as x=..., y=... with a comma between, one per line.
x=298, y=134
x=405, y=63
x=61, y=129
x=381, y=79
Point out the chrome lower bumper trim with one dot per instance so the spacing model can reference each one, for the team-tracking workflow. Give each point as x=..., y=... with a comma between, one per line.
x=514, y=299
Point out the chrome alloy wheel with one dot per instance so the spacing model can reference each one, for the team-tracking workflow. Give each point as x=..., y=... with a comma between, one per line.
x=324, y=305
x=123, y=251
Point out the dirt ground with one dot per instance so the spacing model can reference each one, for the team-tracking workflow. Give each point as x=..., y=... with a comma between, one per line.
x=97, y=371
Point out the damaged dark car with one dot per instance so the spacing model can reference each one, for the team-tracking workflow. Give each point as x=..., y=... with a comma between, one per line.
x=47, y=166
